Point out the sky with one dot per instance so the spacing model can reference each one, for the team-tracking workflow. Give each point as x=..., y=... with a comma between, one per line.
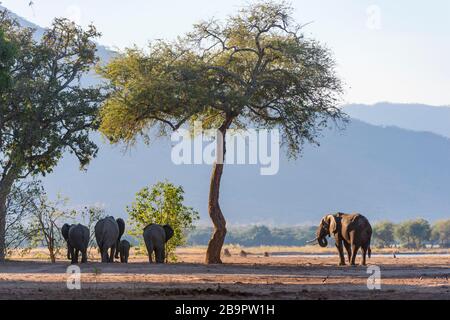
x=385, y=50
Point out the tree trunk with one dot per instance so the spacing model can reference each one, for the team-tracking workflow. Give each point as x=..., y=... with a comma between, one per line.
x=5, y=188
x=3, y=197
x=218, y=237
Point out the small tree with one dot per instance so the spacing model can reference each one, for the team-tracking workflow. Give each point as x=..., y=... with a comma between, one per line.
x=257, y=69
x=162, y=204
x=383, y=233
x=440, y=233
x=21, y=204
x=46, y=224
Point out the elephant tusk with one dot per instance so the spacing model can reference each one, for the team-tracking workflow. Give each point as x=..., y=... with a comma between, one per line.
x=311, y=241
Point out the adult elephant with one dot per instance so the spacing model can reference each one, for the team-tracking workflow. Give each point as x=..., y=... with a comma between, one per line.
x=352, y=231
x=155, y=237
x=106, y=235
x=121, y=224
x=78, y=241
x=65, y=233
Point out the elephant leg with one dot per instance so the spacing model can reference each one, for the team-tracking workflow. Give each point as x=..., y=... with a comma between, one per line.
x=355, y=249
x=104, y=252
x=114, y=251
x=111, y=255
x=149, y=246
x=75, y=256
x=84, y=256
x=364, y=253
x=69, y=252
x=72, y=256
x=160, y=255
x=117, y=249
x=341, y=253
x=348, y=248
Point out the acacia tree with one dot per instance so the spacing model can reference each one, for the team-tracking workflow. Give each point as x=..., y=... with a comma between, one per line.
x=45, y=110
x=256, y=69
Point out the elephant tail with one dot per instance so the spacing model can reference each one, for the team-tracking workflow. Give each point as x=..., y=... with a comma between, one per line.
x=369, y=252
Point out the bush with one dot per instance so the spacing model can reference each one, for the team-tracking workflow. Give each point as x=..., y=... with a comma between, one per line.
x=162, y=204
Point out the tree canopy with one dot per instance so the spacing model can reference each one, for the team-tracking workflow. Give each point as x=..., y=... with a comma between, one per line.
x=256, y=69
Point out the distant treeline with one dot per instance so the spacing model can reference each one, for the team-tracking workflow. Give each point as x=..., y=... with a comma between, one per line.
x=256, y=236
x=411, y=234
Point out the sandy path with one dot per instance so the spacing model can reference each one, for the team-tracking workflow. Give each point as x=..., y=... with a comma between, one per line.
x=253, y=277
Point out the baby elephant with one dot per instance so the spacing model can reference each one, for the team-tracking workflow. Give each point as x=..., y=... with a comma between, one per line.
x=124, y=250
x=155, y=237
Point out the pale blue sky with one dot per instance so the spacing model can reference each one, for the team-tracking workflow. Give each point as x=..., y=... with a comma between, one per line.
x=401, y=57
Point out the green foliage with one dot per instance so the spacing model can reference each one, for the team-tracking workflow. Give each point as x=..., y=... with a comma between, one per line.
x=46, y=110
x=440, y=233
x=413, y=233
x=383, y=233
x=7, y=53
x=162, y=204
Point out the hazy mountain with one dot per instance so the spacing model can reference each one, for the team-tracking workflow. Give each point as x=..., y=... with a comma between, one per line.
x=415, y=117
x=383, y=172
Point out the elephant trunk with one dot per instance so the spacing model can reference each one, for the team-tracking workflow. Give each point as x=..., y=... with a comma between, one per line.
x=323, y=242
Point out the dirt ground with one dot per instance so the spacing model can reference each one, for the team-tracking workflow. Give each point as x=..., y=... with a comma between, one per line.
x=299, y=276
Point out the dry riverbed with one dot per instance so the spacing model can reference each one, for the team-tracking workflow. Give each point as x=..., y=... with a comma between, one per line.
x=282, y=275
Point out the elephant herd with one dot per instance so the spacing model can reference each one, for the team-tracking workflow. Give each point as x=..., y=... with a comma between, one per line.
x=350, y=231
x=108, y=233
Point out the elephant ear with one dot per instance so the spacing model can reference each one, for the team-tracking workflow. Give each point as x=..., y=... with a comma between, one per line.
x=121, y=224
x=332, y=224
x=169, y=232
x=65, y=231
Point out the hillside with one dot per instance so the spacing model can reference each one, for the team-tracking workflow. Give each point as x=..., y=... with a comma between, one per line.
x=417, y=117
